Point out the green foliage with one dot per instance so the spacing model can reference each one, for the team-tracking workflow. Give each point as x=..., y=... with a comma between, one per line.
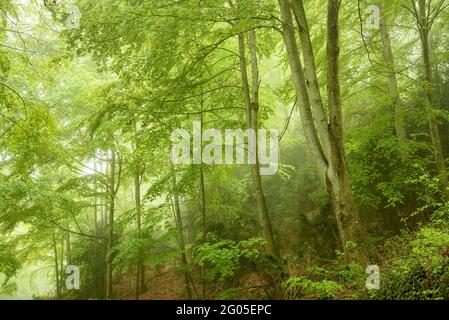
x=302, y=287
x=420, y=268
x=225, y=256
x=158, y=251
x=9, y=266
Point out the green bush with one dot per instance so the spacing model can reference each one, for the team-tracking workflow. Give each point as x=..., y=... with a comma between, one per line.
x=307, y=289
x=223, y=258
x=423, y=272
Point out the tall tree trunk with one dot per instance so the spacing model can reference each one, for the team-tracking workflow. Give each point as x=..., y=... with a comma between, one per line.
x=339, y=185
x=324, y=137
x=251, y=100
x=99, y=262
x=202, y=194
x=260, y=195
x=393, y=88
x=204, y=228
x=69, y=250
x=202, y=202
x=180, y=234
x=110, y=238
x=424, y=29
x=96, y=200
x=320, y=119
x=299, y=82
x=202, y=189
x=61, y=267
x=56, y=265
x=101, y=284
x=244, y=77
x=139, y=274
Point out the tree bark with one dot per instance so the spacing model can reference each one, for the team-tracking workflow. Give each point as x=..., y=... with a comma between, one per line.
x=61, y=266
x=204, y=228
x=110, y=243
x=339, y=186
x=139, y=275
x=260, y=195
x=324, y=136
x=311, y=78
x=180, y=234
x=202, y=189
x=56, y=265
x=393, y=88
x=424, y=29
x=202, y=202
x=202, y=193
x=302, y=94
x=251, y=100
x=69, y=250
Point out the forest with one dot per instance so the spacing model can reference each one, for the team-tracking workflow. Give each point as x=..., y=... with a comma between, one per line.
x=224, y=150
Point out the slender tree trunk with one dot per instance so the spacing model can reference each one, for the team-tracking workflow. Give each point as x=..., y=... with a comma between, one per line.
x=139, y=230
x=311, y=79
x=204, y=228
x=110, y=244
x=245, y=83
x=251, y=109
x=96, y=201
x=180, y=234
x=424, y=29
x=339, y=185
x=99, y=263
x=202, y=189
x=324, y=137
x=103, y=248
x=260, y=196
x=202, y=202
x=57, y=281
x=202, y=194
x=61, y=266
x=299, y=82
x=398, y=104
x=69, y=250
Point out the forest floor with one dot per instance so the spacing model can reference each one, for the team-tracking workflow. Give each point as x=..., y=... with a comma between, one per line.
x=160, y=284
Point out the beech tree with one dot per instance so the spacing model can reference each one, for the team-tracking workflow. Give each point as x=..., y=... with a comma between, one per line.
x=324, y=134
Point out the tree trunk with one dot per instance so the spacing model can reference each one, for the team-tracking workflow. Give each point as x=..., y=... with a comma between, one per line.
x=260, y=195
x=339, y=186
x=303, y=100
x=424, y=29
x=101, y=263
x=110, y=243
x=202, y=202
x=311, y=78
x=96, y=200
x=202, y=189
x=324, y=137
x=69, y=250
x=57, y=281
x=203, y=216
x=61, y=267
x=139, y=275
x=393, y=88
x=180, y=234
x=251, y=100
